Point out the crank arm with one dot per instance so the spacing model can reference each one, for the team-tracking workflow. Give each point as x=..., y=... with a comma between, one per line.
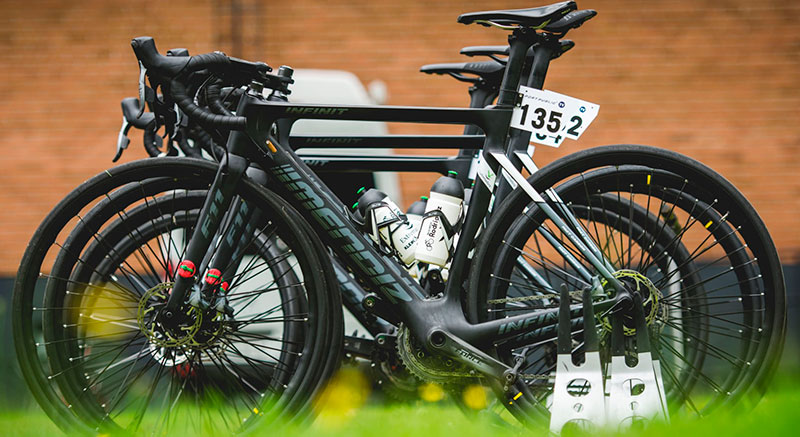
x=359, y=347
x=476, y=359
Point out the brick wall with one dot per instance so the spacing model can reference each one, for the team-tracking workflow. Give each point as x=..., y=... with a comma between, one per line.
x=716, y=80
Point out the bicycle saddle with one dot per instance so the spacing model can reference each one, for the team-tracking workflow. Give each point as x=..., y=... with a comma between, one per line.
x=485, y=50
x=490, y=72
x=572, y=20
x=532, y=17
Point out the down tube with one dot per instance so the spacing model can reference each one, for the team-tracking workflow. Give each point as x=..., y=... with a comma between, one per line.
x=330, y=219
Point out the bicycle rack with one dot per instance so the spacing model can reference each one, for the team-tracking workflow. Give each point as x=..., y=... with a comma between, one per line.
x=584, y=397
x=635, y=394
x=578, y=394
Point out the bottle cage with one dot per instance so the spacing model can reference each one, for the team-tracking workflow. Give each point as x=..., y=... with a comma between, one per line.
x=387, y=248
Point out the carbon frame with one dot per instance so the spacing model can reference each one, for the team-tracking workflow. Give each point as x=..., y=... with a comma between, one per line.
x=437, y=323
x=426, y=317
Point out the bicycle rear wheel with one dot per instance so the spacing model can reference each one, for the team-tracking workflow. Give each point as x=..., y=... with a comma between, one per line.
x=93, y=352
x=675, y=228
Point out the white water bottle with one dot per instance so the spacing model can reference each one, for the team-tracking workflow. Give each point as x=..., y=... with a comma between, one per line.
x=416, y=211
x=414, y=214
x=387, y=225
x=434, y=242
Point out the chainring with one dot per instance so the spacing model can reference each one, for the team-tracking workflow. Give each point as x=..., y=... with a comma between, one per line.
x=426, y=366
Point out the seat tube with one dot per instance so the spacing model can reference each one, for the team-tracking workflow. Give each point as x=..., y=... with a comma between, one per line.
x=519, y=139
x=480, y=97
x=520, y=41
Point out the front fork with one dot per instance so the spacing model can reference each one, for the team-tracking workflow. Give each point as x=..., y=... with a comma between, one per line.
x=221, y=195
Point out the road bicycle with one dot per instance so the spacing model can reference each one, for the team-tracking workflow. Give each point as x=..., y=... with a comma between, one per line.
x=485, y=79
x=635, y=230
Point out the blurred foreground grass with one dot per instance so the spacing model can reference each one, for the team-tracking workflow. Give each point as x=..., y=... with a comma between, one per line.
x=775, y=415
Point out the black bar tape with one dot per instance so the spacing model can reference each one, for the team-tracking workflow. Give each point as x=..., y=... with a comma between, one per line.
x=186, y=103
x=209, y=61
x=213, y=99
x=150, y=142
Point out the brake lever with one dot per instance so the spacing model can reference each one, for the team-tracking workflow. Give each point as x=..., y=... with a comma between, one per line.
x=178, y=122
x=174, y=135
x=142, y=88
x=122, y=140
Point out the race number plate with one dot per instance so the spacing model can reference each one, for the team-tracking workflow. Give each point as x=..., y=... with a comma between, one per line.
x=552, y=117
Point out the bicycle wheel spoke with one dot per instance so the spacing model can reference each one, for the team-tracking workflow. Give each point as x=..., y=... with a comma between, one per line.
x=256, y=296
x=668, y=237
x=247, y=294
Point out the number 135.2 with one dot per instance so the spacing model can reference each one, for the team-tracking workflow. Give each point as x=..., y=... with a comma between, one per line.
x=552, y=122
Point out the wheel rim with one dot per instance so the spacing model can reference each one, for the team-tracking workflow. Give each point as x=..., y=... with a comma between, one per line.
x=739, y=379
x=64, y=381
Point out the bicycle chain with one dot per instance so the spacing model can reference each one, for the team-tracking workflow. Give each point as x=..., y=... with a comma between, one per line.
x=534, y=376
x=578, y=295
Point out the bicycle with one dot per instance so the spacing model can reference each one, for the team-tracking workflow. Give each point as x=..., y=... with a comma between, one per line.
x=485, y=78
x=436, y=327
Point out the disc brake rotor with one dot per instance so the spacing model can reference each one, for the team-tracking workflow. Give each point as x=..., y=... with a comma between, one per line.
x=157, y=334
x=652, y=300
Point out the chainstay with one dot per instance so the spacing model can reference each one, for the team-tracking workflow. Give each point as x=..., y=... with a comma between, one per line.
x=572, y=294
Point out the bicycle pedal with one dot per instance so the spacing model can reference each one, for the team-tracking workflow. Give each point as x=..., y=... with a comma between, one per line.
x=578, y=392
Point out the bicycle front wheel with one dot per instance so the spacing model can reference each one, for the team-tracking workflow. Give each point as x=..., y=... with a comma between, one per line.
x=105, y=259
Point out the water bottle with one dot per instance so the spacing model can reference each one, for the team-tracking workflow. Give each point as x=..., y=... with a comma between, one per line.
x=387, y=225
x=416, y=211
x=414, y=214
x=444, y=202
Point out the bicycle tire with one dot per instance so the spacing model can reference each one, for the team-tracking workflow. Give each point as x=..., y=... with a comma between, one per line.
x=748, y=255
x=54, y=390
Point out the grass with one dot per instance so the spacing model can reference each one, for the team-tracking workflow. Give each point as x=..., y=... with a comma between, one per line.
x=774, y=416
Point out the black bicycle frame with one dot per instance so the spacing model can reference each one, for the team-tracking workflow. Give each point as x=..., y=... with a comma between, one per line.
x=228, y=258
x=322, y=163
x=437, y=323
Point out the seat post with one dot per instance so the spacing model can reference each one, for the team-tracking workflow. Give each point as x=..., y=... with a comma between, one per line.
x=542, y=55
x=519, y=41
x=519, y=139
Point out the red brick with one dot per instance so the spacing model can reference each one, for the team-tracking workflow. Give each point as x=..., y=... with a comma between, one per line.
x=716, y=81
